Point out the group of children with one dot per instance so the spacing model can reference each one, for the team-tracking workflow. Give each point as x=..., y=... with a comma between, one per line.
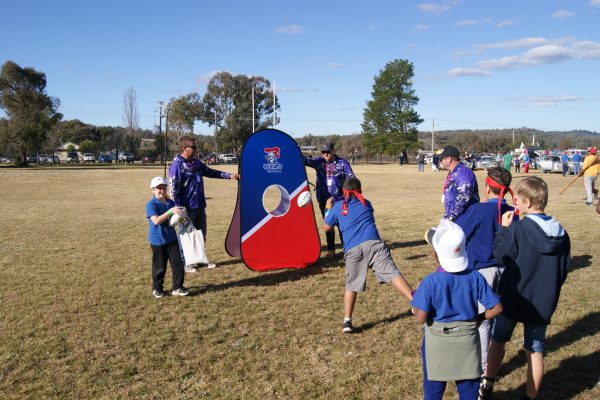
x=494, y=263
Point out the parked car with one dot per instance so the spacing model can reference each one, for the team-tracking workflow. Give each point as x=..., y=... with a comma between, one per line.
x=125, y=157
x=72, y=157
x=89, y=157
x=210, y=158
x=52, y=159
x=487, y=162
x=104, y=159
x=148, y=160
x=4, y=160
x=547, y=164
x=227, y=158
x=42, y=158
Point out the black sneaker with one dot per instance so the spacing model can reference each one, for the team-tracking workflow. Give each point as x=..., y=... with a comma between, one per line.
x=485, y=389
x=347, y=327
x=158, y=293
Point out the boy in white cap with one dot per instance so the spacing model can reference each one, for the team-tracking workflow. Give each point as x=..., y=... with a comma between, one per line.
x=446, y=301
x=163, y=239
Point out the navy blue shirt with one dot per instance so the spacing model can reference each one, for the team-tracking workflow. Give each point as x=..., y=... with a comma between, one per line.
x=356, y=227
x=330, y=176
x=159, y=235
x=447, y=297
x=480, y=224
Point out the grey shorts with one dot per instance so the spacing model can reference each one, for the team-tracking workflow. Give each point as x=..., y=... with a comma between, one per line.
x=374, y=254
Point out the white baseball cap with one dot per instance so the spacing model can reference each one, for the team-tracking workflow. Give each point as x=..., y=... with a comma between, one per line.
x=156, y=181
x=448, y=241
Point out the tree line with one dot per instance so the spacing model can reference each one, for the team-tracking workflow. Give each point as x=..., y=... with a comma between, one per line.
x=234, y=105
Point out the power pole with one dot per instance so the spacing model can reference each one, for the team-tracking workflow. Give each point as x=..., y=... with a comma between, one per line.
x=166, y=135
x=432, y=135
x=216, y=146
x=253, y=110
x=160, y=116
x=513, y=137
x=274, y=110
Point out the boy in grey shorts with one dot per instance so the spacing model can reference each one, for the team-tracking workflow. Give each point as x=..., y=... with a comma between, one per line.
x=363, y=247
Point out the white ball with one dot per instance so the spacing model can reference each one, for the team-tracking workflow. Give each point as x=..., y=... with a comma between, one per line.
x=175, y=219
x=304, y=199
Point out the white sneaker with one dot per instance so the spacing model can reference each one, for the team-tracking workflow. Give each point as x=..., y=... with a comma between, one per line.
x=211, y=265
x=190, y=269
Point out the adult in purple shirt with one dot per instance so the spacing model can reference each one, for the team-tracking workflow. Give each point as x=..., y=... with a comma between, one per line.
x=460, y=189
x=331, y=171
x=187, y=185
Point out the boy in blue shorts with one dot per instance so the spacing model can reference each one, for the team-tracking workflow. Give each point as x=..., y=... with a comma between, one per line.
x=363, y=247
x=536, y=251
x=480, y=223
x=163, y=240
x=446, y=301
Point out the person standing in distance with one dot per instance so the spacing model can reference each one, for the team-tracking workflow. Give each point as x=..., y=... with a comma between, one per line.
x=331, y=172
x=187, y=185
x=590, y=171
x=460, y=189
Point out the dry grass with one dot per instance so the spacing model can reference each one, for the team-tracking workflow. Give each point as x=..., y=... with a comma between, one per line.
x=78, y=319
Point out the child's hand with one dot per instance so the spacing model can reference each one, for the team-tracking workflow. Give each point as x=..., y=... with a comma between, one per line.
x=329, y=203
x=177, y=210
x=507, y=218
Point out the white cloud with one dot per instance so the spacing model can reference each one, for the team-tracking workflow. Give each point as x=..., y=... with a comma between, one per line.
x=468, y=72
x=594, y=3
x=421, y=27
x=206, y=77
x=546, y=101
x=433, y=8
x=67, y=68
x=550, y=52
x=506, y=22
x=563, y=14
x=336, y=65
x=466, y=22
x=514, y=44
x=289, y=29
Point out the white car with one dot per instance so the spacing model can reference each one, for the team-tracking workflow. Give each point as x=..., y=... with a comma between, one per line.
x=547, y=164
x=227, y=158
x=89, y=157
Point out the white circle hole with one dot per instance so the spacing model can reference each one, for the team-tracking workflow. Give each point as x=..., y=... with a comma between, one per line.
x=276, y=200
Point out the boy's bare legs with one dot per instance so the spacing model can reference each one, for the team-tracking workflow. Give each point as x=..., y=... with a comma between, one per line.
x=495, y=357
x=349, y=300
x=402, y=286
x=535, y=373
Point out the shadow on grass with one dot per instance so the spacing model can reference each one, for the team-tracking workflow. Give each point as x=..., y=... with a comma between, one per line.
x=587, y=326
x=573, y=376
x=401, y=245
x=370, y=325
x=264, y=279
x=578, y=262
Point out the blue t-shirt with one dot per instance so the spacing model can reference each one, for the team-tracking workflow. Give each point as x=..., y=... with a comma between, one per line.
x=356, y=227
x=159, y=235
x=450, y=297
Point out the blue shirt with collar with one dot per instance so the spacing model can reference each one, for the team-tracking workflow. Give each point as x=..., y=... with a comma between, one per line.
x=160, y=235
x=356, y=227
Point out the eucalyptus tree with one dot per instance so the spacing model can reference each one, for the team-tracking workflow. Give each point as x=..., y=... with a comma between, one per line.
x=30, y=112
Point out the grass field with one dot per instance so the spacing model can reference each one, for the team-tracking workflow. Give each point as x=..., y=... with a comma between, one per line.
x=78, y=320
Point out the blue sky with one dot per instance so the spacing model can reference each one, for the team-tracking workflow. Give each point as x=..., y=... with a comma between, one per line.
x=478, y=63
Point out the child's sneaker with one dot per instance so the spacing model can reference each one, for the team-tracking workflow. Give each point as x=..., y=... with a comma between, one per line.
x=211, y=265
x=180, y=292
x=347, y=327
x=190, y=269
x=158, y=293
